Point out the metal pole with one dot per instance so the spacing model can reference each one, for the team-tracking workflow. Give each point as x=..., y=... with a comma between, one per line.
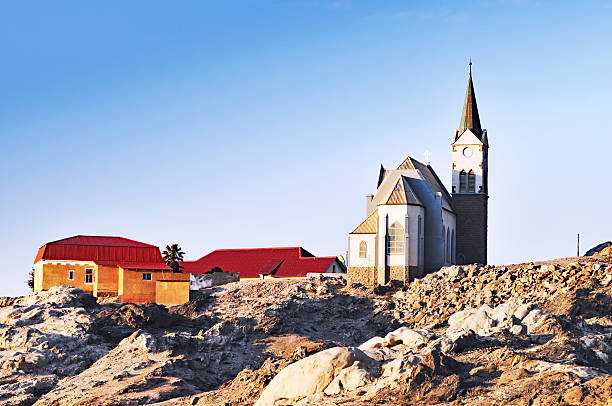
x=578, y=246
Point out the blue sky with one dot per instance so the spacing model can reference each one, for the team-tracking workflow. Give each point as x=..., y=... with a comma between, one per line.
x=256, y=124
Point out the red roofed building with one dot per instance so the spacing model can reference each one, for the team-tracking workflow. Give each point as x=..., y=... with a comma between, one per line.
x=250, y=263
x=105, y=266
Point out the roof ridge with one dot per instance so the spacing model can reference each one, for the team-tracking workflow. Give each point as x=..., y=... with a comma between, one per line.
x=61, y=241
x=252, y=249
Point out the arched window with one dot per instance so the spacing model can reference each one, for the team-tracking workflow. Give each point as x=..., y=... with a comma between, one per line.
x=395, y=242
x=443, y=244
x=471, y=181
x=453, y=246
x=448, y=245
x=462, y=181
x=420, y=247
x=363, y=249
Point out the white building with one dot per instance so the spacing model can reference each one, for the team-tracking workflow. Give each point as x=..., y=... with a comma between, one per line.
x=413, y=225
x=409, y=227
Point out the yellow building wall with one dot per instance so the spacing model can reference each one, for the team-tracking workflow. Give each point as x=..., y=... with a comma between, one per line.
x=171, y=292
x=106, y=281
x=132, y=288
x=48, y=275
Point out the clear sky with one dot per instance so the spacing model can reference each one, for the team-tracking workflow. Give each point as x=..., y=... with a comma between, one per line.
x=255, y=124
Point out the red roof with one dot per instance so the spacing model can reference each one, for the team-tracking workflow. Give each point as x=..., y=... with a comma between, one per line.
x=154, y=266
x=252, y=262
x=100, y=249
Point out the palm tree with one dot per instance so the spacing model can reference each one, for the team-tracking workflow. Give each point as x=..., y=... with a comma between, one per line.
x=30, y=281
x=173, y=256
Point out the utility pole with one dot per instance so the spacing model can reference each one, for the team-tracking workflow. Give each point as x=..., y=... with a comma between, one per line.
x=578, y=246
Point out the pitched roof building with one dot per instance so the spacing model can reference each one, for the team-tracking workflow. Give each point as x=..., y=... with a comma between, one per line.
x=413, y=224
x=287, y=262
x=106, y=266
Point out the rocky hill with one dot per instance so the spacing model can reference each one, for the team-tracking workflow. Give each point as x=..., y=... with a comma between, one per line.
x=538, y=333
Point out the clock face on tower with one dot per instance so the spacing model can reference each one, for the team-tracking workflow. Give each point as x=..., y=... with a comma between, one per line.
x=467, y=152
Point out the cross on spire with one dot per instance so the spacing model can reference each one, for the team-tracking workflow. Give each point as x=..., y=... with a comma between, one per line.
x=470, y=66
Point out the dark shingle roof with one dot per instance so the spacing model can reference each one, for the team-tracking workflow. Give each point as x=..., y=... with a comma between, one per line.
x=470, y=119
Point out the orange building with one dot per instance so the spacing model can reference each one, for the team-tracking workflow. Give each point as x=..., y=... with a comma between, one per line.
x=109, y=266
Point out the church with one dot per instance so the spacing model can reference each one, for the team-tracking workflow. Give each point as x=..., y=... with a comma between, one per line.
x=413, y=225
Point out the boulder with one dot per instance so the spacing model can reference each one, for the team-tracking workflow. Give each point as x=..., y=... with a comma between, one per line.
x=533, y=319
x=504, y=311
x=523, y=310
x=457, y=341
x=518, y=329
x=407, y=336
x=400, y=365
x=350, y=378
x=478, y=321
x=312, y=374
x=372, y=343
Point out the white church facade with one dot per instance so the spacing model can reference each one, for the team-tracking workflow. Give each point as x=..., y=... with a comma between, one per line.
x=413, y=224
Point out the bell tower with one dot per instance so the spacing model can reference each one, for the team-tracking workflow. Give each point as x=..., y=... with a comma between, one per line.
x=470, y=182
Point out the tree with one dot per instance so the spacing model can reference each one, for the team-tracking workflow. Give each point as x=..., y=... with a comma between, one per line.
x=30, y=281
x=173, y=256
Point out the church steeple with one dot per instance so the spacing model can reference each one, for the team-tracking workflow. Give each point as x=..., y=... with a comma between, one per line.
x=470, y=183
x=469, y=117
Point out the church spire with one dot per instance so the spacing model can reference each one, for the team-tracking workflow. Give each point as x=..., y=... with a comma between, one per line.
x=470, y=118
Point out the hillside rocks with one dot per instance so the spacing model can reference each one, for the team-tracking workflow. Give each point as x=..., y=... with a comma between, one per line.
x=537, y=333
x=329, y=371
x=432, y=299
x=605, y=248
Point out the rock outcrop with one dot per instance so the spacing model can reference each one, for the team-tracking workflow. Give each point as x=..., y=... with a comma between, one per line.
x=605, y=248
x=536, y=333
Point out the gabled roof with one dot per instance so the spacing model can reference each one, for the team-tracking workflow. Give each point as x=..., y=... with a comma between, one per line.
x=100, y=249
x=252, y=262
x=397, y=195
x=411, y=197
x=402, y=193
x=428, y=173
x=369, y=225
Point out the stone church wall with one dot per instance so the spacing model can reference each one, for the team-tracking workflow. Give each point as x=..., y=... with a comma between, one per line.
x=399, y=273
x=471, y=239
x=368, y=275
x=363, y=274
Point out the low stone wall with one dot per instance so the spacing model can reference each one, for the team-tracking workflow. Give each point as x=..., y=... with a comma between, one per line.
x=322, y=275
x=203, y=281
x=366, y=275
x=399, y=273
x=370, y=276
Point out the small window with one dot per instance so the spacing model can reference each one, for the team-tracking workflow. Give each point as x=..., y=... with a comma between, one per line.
x=363, y=249
x=471, y=182
x=89, y=276
x=146, y=276
x=462, y=182
x=71, y=275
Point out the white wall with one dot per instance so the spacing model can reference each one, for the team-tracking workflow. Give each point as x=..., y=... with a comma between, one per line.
x=354, y=241
x=473, y=162
x=334, y=267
